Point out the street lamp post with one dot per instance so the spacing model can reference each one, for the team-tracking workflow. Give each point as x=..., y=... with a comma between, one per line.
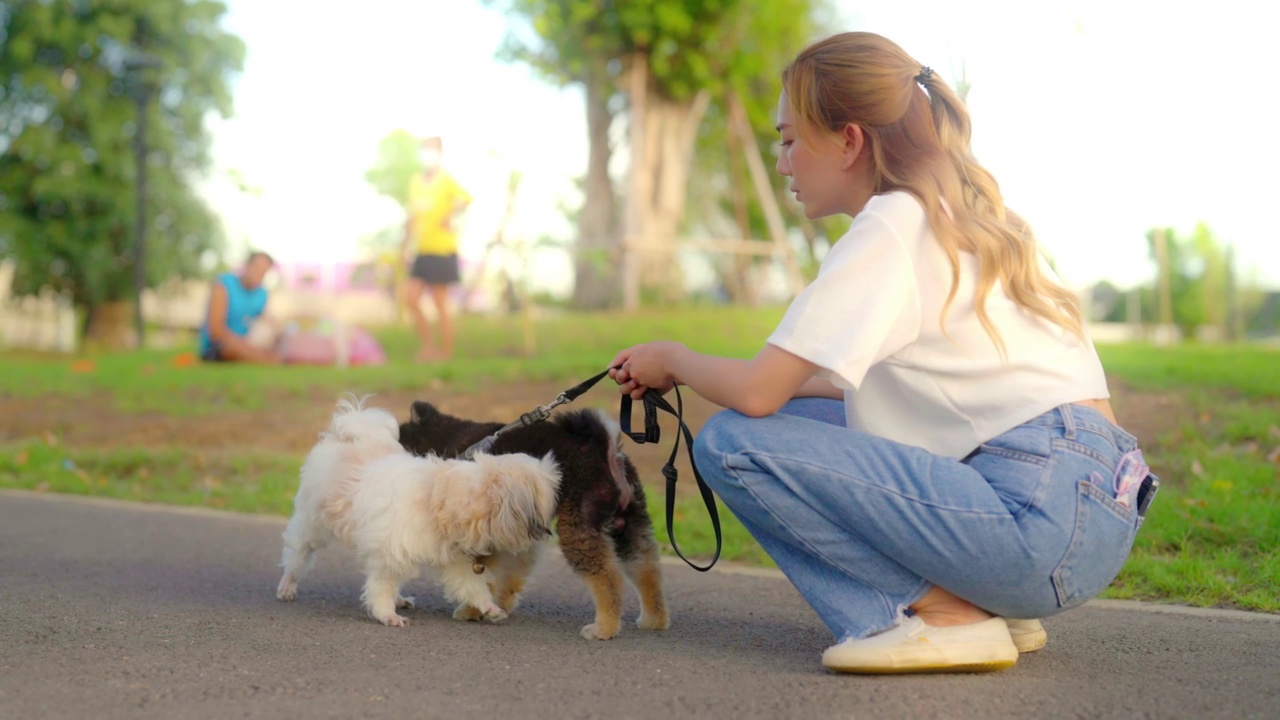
x=141, y=90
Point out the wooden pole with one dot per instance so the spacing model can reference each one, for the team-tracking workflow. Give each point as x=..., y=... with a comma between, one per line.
x=639, y=186
x=764, y=191
x=499, y=237
x=1164, y=289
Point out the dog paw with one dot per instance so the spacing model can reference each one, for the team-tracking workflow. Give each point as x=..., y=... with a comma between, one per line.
x=287, y=592
x=405, y=603
x=653, y=622
x=494, y=614
x=467, y=613
x=595, y=631
x=394, y=620
x=509, y=601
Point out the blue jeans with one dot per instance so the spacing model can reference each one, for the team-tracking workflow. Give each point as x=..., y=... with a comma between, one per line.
x=864, y=526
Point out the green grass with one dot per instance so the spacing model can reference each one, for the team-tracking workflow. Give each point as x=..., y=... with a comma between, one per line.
x=570, y=346
x=1212, y=537
x=1249, y=371
x=245, y=482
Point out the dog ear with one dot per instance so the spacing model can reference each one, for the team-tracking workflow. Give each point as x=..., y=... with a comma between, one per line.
x=538, y=531
x=422, y=410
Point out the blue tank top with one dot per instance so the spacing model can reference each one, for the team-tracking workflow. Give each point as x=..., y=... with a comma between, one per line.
x=243, y=307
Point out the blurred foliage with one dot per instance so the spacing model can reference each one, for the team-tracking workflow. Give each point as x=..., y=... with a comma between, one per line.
x=70, y=72
x=690, y=45
x=727, y=48
x=1204, y=289
x=396, y=164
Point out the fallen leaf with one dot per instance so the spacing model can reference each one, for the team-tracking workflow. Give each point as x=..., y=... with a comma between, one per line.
x=1196, y=468
x=80, y=367
x=22, y=457
x=1274, y=455
x=183, y=360
x=50, y=439
x=1205, y=418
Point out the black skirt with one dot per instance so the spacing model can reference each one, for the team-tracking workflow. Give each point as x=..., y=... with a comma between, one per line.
x=436, y=269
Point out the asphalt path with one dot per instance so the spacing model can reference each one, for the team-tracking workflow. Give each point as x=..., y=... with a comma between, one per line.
x=118, y=610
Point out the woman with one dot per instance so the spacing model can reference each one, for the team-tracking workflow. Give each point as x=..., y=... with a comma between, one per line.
x=924, y=445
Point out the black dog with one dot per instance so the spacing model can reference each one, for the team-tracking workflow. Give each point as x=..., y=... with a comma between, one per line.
x=601, y=520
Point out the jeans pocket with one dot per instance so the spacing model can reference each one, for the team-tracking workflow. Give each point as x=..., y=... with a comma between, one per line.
x=1099, y=546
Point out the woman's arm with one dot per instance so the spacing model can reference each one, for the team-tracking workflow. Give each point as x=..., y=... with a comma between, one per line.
x=817, y=387
x=754, y=387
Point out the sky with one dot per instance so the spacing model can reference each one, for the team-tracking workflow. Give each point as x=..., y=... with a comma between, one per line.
x=1100, y=120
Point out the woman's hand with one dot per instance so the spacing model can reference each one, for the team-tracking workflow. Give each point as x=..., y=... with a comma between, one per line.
x=646, y=366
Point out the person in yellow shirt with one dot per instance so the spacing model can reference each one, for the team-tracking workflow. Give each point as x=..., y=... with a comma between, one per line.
x=431, y=240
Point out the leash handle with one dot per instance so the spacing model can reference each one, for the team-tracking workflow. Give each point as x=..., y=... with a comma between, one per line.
x=653, y=401
x=651, y=434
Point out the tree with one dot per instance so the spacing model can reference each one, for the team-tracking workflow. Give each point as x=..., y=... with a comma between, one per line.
x=1199, y=278
x=666, y=62
x=67, y=171
x=395, y=167
x=723, y=203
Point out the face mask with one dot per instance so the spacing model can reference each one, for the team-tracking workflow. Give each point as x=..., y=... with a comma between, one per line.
x=430, y=159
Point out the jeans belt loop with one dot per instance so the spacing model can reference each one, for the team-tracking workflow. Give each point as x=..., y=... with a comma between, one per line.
x=1068, y=421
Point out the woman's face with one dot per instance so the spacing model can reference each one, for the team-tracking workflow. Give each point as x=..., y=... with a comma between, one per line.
x=823, y=175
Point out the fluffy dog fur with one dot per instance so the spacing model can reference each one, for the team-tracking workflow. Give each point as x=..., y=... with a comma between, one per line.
x=601, y=517
x=400, y=512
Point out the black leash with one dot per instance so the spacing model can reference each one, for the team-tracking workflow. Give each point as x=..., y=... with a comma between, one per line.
x=653, y=402
x=538, y=414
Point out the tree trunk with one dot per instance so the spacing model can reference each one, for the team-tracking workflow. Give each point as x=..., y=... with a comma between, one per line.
x=595, y=267
x=109, y=325
x=663, y=133
x=635, y=220
x=735, y=268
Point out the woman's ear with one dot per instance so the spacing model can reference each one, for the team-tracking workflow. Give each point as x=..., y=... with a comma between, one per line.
x=853, y=141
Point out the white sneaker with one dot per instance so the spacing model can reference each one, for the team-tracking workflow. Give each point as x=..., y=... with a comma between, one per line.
x=914, y=647
x=1028, y=635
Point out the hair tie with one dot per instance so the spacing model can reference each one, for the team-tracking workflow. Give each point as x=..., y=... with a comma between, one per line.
x=926, y=74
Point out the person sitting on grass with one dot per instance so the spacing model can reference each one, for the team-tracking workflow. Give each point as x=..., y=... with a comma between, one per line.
x=236, y=301
x=925, y=444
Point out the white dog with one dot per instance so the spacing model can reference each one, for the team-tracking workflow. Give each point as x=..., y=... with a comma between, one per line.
x=400, y=512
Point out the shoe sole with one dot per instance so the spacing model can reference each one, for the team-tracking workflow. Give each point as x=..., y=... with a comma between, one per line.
x=983, y=667
x=1031, y=641
x=993, y=659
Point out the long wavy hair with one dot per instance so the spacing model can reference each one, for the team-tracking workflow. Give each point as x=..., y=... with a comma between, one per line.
x=917, y=131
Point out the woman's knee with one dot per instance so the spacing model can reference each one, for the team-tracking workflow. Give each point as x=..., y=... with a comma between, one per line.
x=724, y=434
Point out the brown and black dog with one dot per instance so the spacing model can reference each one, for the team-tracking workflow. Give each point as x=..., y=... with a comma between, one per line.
x=602, y=522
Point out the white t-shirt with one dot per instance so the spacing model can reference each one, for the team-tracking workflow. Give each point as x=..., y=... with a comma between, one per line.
x=871, y=322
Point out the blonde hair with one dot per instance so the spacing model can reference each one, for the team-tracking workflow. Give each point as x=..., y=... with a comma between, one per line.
x=920, y=143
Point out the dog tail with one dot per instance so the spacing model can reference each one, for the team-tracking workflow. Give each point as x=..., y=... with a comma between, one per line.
x=354, y=423
x=495, y=503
